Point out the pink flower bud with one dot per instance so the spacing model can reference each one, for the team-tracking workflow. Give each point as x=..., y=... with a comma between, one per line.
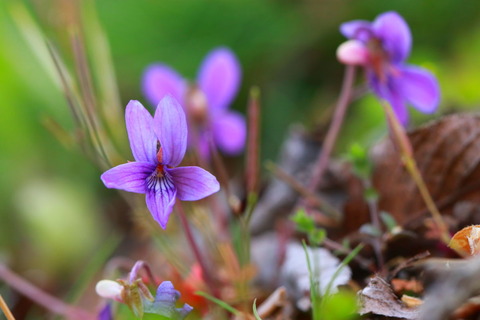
x=353, y=52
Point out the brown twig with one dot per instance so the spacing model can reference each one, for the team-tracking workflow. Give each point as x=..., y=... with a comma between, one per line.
x=6, y=311
x=195, y=249
x=253, y=142
x=306, y=193
x=42, y=298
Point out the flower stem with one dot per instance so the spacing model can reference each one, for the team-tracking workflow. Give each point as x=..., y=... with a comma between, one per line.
x=374, y=218
x=403, y=143
x=136, y=269
x=196, y=251
x=332, y=134
x=42, y=298
x=6, y=311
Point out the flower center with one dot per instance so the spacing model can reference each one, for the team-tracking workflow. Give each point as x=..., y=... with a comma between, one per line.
x=378, y=58
x=197, y=105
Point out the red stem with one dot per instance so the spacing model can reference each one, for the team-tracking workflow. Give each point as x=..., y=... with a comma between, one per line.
x=334, y=129
x=196, y=251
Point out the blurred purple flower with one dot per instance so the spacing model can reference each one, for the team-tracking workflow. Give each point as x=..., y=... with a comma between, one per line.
x=106, y=313
x=386, y=44
x=206, y=103
x=158, y=145
x=164, y=303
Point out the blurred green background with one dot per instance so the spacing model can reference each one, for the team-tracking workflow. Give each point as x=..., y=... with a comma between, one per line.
x=53, y=214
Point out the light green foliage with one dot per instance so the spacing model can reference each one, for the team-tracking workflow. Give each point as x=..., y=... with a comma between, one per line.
x=358, y=156
x=388, y=220
x=255, y=312
x=340, y=306
x=306, y=224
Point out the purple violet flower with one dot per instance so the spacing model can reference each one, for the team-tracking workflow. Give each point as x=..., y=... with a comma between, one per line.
x=164, y=303
x=106, y=313
x=158, y=145
x=382, y=46
x=207, y=102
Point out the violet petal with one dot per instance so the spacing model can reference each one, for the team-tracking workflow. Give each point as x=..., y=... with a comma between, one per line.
x=418, y=87
x=357, y=29
x=106, y=313
x=160, y=198
x=165, y=301
x=219, y=78
x=230, y=132
x=159, y=80
x=395, y=35
x=193, y=183
x=143, y=141
x=389, y=92
x=128, y=176
x=171, y=130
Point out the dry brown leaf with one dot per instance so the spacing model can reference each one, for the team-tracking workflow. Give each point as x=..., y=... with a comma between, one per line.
x=411, y=302
x=466, y=241
x=378, y=298
x=448, y=155
x=402, y=285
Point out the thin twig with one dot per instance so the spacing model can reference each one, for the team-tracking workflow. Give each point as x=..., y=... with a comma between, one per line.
x=88, y=96
x=196, y=251
x=306, y=193
x=6, y=311
x=42, y=298
x=332, y=245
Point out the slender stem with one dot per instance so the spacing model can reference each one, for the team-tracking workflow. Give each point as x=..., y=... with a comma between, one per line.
x=136, y=269
x=196, y=251
x=253, y=143
x=375, y=219
x=334, y=129
x=6, y=311
x=42, y=298
x=412, y=168
x=403, y=143
x=377, y=240
x=332, y=245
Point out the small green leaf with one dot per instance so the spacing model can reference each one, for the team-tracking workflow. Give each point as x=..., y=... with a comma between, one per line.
x=255, y=313
x=358, y=156
x=317, y=236
x=370, y=194
x=303, y=221
x=152, y=316
x=388, y=220
x=219, y=302
x=340, y=306
x=370, y=229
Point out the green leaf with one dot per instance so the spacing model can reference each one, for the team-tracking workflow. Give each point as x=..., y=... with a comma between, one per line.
x=388, y=220
x=370, y=229
x=152, y=316
x=303, y=221
x=361, y=163
x=370, y=194
x=219, y=302
x=255, y=313
x=317, y=236
x=340, y=306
